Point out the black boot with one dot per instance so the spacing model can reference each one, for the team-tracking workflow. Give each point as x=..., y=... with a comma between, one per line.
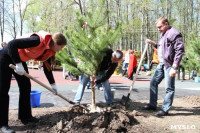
x=30, y=120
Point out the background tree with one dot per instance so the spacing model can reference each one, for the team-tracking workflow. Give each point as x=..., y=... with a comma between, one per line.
x=2, y=18
x=22, y=6
x=137, y=18
x=191, y=60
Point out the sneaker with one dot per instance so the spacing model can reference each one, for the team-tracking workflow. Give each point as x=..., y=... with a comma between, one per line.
x=30, y=120
x=7, y=129
x=88, y=87
x=101, y=88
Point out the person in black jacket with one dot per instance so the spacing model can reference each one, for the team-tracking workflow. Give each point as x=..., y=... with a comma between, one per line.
x=107, y=67
x=39, y=46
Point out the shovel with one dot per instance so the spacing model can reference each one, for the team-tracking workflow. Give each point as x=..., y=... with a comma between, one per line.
x=48, y=88
x=125, y=99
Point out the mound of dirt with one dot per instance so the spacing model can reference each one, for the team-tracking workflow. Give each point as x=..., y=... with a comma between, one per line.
x=73, y=119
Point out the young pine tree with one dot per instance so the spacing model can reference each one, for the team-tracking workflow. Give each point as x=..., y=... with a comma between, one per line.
x=191, y=60
x=88, y=41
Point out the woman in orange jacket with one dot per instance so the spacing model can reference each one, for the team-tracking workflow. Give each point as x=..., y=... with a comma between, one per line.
x=39, y=46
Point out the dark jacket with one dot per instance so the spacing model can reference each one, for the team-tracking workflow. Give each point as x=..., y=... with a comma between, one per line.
x=108, y=66
x=173, y=48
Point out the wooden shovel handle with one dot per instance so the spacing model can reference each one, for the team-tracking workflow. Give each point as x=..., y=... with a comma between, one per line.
x=42, y=84
x=138, y=68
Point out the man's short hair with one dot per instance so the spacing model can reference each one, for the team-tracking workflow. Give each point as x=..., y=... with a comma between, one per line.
x=118, y=54
x=163, y=20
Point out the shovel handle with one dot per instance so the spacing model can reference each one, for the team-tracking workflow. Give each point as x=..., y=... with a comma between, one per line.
x=42, y=84
x=138, y=69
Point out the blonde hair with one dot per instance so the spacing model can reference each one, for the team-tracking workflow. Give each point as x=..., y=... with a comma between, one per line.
x=59, y=38
x=162, y=19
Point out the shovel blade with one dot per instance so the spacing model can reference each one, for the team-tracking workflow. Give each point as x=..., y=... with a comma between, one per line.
x=126, y=101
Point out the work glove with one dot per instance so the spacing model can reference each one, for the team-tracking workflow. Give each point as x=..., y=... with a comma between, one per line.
x=19, y=69
x=53, y=86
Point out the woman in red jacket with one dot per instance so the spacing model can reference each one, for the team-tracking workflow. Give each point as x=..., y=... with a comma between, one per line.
x=132, y=65
x=39, y=46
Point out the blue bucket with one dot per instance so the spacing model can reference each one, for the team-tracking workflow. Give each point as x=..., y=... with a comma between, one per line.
x=196, y=79
x=35, y=98
x=146, y=66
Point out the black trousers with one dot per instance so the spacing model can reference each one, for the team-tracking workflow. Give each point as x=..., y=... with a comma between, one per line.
x=24, y=110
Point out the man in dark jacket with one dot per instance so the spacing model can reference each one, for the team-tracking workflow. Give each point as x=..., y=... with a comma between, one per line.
x=170, y=50
x=107, y=67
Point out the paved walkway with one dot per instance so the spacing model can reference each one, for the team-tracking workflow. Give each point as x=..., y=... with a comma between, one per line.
x=121, y=85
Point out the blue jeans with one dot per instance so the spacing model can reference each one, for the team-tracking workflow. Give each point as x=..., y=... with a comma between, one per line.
x=89, y=82
x=83, y=82
x=161, y=73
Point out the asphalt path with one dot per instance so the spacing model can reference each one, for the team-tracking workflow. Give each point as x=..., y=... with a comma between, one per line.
x=119, y=85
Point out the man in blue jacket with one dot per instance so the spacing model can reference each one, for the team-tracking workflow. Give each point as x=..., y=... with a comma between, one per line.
x=170, y=50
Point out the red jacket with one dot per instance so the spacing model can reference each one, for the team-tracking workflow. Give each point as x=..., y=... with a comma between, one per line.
x=40, y=52
x=132, y=64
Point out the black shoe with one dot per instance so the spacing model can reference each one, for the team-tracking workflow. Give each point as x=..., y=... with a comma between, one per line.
x=7, y=129
x=161, y=113
x=30, y=120
x=149, y=107
x=112, y=105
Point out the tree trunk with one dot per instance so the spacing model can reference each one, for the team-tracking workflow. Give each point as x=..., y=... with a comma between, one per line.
x=2, y=20
x=108, y=19
x=14, y=21
x=93, y=94
x=80, y=6
x=142, y=32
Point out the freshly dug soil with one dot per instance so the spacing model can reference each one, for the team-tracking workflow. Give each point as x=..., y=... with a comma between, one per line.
x=75, y=119
x=183, y=117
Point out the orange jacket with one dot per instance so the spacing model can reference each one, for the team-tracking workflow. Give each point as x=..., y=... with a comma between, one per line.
x=155, y=56
x=132, y=64
x=37, y=52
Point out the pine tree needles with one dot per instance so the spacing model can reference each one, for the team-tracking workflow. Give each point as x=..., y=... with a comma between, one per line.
x=89, y=40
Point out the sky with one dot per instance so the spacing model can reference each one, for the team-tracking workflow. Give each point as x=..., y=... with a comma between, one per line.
x=8, y=37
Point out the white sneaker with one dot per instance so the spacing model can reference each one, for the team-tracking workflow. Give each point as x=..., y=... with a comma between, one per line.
x=87, y=87
x=101, y=88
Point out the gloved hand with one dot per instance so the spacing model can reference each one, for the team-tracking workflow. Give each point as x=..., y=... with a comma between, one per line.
x=53, y=86
x=19, y=69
